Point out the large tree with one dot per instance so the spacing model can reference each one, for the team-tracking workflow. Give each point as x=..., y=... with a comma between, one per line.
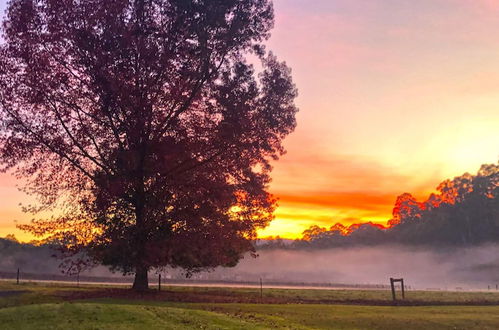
x=145, y=126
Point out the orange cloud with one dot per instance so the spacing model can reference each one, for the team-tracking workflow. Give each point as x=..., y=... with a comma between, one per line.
x=323, y=189
x=342, y=200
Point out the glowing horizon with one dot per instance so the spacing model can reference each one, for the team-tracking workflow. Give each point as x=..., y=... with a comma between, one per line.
x=395, y=96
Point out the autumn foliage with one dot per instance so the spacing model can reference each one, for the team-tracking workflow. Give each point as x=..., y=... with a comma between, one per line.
x=141, y=125
x=463, y=211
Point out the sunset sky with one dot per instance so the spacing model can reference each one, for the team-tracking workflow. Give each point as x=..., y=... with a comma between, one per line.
x=395, y=96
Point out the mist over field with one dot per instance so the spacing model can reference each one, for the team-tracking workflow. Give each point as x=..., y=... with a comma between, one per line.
x=473, y=267
x=422, y=268
x=36, y=260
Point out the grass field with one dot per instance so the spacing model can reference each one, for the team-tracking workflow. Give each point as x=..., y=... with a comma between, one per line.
x=51, y=306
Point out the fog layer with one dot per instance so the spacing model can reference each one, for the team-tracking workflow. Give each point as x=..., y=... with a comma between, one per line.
x=450, y=268
x=474, y=267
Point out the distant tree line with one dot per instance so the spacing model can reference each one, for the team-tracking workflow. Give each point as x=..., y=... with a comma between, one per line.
x=463, y=212
x=29, y=257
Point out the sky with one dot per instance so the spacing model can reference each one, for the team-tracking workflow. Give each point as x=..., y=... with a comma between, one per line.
x=395, y=96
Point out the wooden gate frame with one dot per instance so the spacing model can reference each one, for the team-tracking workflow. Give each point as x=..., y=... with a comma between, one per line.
x=392, y=284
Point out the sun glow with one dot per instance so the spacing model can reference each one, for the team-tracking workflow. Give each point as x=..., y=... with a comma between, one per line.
x=389, y=103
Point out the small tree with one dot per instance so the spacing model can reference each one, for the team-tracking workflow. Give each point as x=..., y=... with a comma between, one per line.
x=141, y=124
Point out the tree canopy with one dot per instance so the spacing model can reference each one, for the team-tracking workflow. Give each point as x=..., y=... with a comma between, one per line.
x=144, y=127
x=463, y=212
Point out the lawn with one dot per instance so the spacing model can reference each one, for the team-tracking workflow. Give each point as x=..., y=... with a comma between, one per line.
x=43, y=306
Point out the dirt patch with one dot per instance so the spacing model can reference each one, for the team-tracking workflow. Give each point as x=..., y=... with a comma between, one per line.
x=228, y=297
x=171, y=296
x=4, y=294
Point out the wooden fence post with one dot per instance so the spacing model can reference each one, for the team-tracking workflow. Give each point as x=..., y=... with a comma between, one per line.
x=261, y=288
x=402, y=286
x=392, y=284
x=403, y=291
x=159, y=282
x=17, y=279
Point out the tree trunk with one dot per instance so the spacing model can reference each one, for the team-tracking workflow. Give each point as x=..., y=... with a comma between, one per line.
x=141, y=282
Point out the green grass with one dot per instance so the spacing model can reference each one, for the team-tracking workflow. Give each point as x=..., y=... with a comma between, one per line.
x=35, y=293
x=44, y=306
x=338, y=296
x=122, y=315
x=364, y=317
x=114, y=316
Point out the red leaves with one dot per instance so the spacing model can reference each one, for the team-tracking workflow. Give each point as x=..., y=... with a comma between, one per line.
x=145, y=119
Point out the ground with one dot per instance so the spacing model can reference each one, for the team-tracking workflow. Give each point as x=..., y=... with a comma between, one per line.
x=56, y=306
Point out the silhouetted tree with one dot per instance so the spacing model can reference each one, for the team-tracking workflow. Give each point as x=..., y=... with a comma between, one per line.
x=406, y=207
x=144, y=126
x=313, y=232
x=463, y=212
